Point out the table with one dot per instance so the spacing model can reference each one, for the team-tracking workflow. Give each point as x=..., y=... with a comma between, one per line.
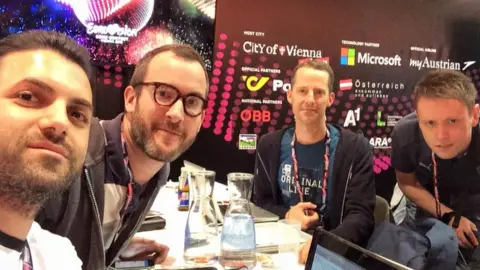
x=173, y=233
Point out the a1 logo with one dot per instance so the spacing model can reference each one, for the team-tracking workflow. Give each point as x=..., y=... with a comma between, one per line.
x=353, y=116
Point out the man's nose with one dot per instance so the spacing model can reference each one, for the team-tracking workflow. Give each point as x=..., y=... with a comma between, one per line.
x=176, y=112
x=55, y=118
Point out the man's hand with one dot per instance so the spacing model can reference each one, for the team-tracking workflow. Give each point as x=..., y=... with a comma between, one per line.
x=305, y=213
x=145, y=249
x=465, y=234
x=303, y=252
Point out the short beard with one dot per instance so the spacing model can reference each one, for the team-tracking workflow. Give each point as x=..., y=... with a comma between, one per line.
x=25, y=187
x=142, y=136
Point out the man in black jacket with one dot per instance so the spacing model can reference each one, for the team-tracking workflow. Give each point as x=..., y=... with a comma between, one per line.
x=128, y=160
x=317, y=173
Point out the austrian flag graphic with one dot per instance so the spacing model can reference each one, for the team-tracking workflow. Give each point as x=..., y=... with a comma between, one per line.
x=346, y=84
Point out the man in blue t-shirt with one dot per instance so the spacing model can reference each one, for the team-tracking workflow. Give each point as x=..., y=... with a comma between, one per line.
x=311, y=158
x=317, y=173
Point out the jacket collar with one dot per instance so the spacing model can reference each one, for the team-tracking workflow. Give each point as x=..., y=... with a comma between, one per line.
x=96, y=144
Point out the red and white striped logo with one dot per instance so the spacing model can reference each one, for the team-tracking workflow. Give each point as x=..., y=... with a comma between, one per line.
x=346, y=85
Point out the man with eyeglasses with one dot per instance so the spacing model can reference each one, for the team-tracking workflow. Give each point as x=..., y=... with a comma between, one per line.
x=129, y=160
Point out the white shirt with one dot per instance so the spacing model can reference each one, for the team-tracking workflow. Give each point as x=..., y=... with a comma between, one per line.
x=49, y=252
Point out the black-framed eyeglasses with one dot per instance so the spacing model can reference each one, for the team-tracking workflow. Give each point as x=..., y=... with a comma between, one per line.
x=166, y=95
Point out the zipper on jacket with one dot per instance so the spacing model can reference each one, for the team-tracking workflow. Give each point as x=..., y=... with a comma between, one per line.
x=97, y=212
x=349, y=176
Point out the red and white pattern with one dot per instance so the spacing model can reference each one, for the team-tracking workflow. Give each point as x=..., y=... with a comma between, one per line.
x=100, y=10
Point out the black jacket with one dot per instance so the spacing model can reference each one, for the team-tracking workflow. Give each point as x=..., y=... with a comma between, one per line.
x=78, y=213
x=350, y=214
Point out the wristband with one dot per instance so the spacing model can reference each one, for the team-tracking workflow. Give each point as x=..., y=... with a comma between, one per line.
x=447, y=217
x=456, y=221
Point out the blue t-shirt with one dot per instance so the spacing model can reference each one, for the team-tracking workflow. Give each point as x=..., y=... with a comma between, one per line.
x=311, y=163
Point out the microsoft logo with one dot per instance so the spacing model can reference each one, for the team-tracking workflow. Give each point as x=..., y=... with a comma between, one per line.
x=347, y=57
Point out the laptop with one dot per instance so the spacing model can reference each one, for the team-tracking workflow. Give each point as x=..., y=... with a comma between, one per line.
x=331, y=252
x=259, y=214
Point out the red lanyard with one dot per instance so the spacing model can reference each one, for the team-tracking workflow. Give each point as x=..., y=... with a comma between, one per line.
x=435, y=187
x=26, y=258
x=325, y=171
x=130, y=173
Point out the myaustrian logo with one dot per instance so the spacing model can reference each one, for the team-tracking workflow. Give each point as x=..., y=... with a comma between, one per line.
x=275, y=49
x=439, y=64
x=350, y=57
x=253, y=83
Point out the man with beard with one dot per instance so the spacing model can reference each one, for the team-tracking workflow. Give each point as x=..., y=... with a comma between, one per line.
x=128, y=159
x=45, y=110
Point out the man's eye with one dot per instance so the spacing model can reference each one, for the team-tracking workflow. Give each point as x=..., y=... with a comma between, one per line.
x=27, y=96
x=80, y=116
x=452, y=121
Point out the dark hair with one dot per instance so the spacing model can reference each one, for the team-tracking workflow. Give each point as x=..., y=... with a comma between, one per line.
x=447, y=84
x=317, y=65
x=49, y=40
x=183, y=51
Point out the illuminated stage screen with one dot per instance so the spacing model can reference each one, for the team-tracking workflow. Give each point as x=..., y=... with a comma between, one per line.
x=116, y=31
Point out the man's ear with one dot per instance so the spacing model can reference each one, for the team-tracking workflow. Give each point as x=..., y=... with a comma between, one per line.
x=201, y=122
x=130, y=97
x=289, y=96
x=331, y=99
x=475, y=115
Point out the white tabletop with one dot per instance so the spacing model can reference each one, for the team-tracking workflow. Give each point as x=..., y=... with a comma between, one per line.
x=173, y=234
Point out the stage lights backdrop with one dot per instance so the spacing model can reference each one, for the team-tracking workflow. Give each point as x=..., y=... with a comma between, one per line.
x=116, y=31
x=378, y=50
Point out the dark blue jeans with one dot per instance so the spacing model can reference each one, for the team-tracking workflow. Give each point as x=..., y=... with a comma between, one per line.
x=430, y=244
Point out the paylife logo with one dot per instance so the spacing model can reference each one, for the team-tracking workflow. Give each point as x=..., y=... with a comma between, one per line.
x=253, y=83
x=350, y=57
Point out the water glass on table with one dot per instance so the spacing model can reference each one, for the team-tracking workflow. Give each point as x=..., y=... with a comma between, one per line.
x=201, y=244
x=238, y=244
